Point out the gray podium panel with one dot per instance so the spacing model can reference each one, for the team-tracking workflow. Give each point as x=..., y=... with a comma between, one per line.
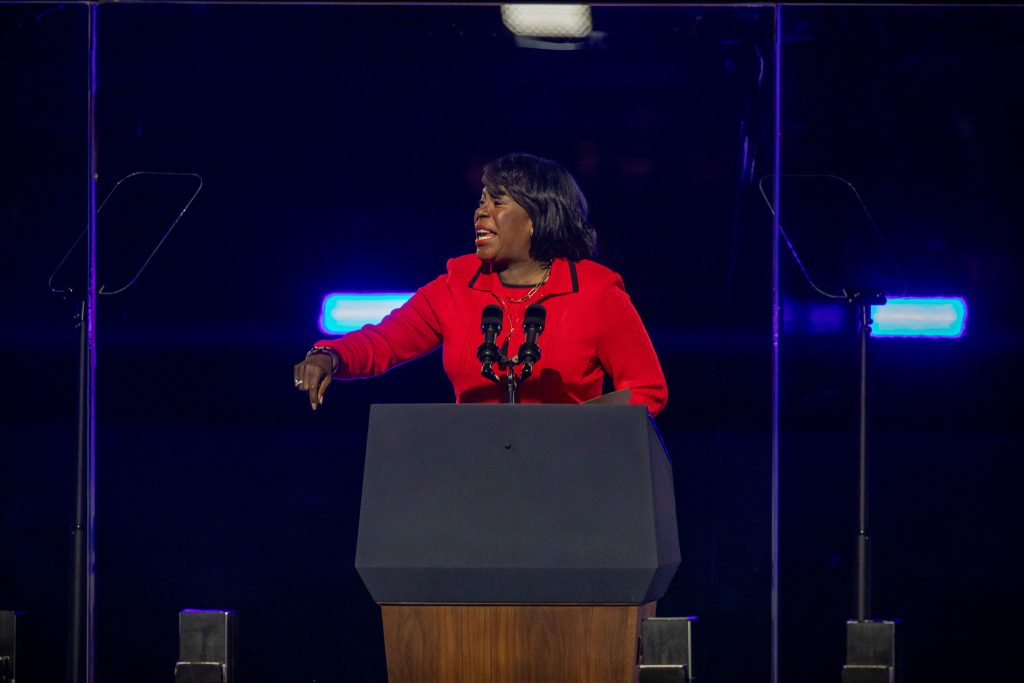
x=516, y=504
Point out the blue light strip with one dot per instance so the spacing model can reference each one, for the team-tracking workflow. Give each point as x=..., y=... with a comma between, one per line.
x=346, y=311
x=920, y=317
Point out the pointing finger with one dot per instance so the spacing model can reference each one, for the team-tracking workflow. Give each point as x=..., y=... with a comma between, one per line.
x=323, y=388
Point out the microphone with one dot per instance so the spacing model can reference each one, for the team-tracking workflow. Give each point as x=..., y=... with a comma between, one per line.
x=533, y=325
x=490, y=324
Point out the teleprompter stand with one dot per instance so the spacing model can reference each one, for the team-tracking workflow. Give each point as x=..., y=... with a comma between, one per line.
x=870, y=644
x=76, y=277
x=515, y=542
x=843, y=256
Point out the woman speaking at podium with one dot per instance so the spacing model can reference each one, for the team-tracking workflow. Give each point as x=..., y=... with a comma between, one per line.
x=533, y=245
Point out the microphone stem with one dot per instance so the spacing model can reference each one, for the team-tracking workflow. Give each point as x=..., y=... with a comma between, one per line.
x=511, y=384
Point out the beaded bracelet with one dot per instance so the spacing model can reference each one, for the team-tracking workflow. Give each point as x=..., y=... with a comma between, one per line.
x=326, y=351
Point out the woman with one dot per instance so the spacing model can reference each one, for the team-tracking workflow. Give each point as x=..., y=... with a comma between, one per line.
x=532, y=246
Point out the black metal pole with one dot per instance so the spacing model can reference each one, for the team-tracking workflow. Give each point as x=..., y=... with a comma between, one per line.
x=81, y=663
x=863, y=537
x=76, y=611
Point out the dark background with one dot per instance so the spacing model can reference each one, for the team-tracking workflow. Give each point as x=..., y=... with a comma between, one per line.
x=341, y=149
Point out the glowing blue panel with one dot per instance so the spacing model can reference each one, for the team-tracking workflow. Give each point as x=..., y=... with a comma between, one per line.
x=346, y=311
x=920, y=317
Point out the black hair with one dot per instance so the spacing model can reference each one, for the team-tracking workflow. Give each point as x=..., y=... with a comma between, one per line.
x=553, y=201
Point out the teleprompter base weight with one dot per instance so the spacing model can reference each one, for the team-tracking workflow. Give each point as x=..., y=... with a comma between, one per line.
x=666, y=650
x=870, y=652
x=8, y=641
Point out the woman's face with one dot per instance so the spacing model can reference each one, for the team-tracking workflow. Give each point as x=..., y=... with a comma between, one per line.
x=503, y=230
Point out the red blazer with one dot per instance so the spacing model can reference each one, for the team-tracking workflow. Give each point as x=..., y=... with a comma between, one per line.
x=591, y=330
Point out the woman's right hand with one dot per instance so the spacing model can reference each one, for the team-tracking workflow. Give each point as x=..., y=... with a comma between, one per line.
x=313, y=375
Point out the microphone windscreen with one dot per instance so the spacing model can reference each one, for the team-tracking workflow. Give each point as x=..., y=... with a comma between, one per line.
x=491, y=316
x=535, y=315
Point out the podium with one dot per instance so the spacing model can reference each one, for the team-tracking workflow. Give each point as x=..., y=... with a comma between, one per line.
x=515, y=542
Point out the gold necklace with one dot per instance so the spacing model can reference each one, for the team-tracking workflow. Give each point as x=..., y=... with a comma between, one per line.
x=536, y=287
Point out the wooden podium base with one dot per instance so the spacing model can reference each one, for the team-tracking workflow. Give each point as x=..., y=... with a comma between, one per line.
x=513, y=643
